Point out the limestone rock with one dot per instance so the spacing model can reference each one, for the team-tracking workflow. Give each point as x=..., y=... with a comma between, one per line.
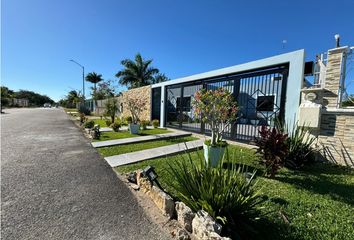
x=162, y=200
x=184, y=215
x=145, y=184
x=205, y=228
x=180, y=234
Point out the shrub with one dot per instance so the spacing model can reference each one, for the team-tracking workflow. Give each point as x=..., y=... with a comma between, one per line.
x=82, y=118
x=272, y=145
x=216, y=108
x=83, y=109
x=225, y=193
x=144, y=124
x=89, y=124
x=300, y=151
x=115, y=126
x=129, y=119
x=108, y=122
x=155, y=123
x=112, y=107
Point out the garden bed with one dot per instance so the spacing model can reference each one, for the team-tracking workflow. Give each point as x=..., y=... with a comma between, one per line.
x=314, y=203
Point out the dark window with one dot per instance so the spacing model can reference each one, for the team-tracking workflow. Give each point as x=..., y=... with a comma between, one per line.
x=186, y=104
x=265, y=103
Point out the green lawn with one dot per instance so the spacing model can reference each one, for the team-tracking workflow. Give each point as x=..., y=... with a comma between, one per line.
x=317, y=201
x=116, y=150
x=126, y=134
x=102, y=122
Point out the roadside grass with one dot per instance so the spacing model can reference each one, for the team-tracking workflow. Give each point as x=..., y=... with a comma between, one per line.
x=126, y=134
x=121, y=149
x=314, y=203
x=70, y=110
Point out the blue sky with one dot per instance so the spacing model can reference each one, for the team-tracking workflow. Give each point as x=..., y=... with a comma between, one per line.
x=39, y=37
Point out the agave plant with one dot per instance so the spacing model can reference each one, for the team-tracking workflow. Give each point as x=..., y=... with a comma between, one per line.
x=300, y=150
x=228, y=194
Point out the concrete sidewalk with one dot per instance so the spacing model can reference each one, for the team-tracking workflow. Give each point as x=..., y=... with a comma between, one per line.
x=133, y=157
x=124, y=141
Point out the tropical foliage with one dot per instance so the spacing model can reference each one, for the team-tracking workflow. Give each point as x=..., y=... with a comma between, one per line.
x=71, y=99
x=139, y=72
x=216, y=108
x=272, y=145
x=227, y=194
x=300, y=146
x=94, y=78
x=160, y=77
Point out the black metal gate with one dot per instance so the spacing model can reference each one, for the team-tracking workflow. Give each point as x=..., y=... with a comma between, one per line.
x=260, y=95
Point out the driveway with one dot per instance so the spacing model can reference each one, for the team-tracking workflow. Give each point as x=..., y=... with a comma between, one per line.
x=54, y=185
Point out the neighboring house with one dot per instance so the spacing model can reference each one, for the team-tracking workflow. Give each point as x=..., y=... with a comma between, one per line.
x=266, y=90
x=20, y=102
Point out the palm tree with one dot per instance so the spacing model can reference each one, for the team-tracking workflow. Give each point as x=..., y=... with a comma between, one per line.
x=137, y=73
x=161, y=77
x=94, y=78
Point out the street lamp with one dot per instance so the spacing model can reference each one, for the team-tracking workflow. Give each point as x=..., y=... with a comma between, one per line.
x=83, y=78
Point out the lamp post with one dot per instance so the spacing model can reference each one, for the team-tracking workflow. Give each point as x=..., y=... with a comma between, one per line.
x=83, y=78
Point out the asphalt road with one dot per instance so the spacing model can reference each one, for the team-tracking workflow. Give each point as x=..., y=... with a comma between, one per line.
x=54, y=185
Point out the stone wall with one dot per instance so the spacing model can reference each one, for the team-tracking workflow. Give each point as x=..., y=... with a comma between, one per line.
x=335, y=133
x=336, y=137
x=142, y=92
x=333, y=77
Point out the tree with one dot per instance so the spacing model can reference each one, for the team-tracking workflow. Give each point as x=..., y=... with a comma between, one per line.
x=112, y=106
x=105, y=90
x=349, y=102
x=94, y=78
x=70, y=100
x=160, y=77
x=137, y=72
x=6, y=94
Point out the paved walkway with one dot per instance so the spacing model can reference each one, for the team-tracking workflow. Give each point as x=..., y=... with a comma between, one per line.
x=54, y=184
x=122, y=128
x=139, y=139
x=133, y=157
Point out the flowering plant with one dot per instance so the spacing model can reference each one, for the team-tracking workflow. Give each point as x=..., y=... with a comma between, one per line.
x=217, y=108
x=136, y=106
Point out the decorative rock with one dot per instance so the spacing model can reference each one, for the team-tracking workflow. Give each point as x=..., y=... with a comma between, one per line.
x=205, y=228
x=162, y=200
x=134, y=186
x=145, y=184
x=181, y=234
x=139, y=175
x=184, y=215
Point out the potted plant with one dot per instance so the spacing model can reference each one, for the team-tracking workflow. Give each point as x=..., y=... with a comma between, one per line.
x=218, y=109
x=136, y=106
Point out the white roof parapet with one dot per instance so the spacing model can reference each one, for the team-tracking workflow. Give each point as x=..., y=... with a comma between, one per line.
x=265, y=62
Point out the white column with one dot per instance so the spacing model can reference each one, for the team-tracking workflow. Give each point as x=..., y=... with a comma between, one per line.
x=162, y=109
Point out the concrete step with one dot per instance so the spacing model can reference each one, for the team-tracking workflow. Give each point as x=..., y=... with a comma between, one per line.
x=133, y=157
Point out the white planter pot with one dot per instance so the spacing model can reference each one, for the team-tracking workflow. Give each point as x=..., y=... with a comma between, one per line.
x=134, y=128
x=213, y=154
